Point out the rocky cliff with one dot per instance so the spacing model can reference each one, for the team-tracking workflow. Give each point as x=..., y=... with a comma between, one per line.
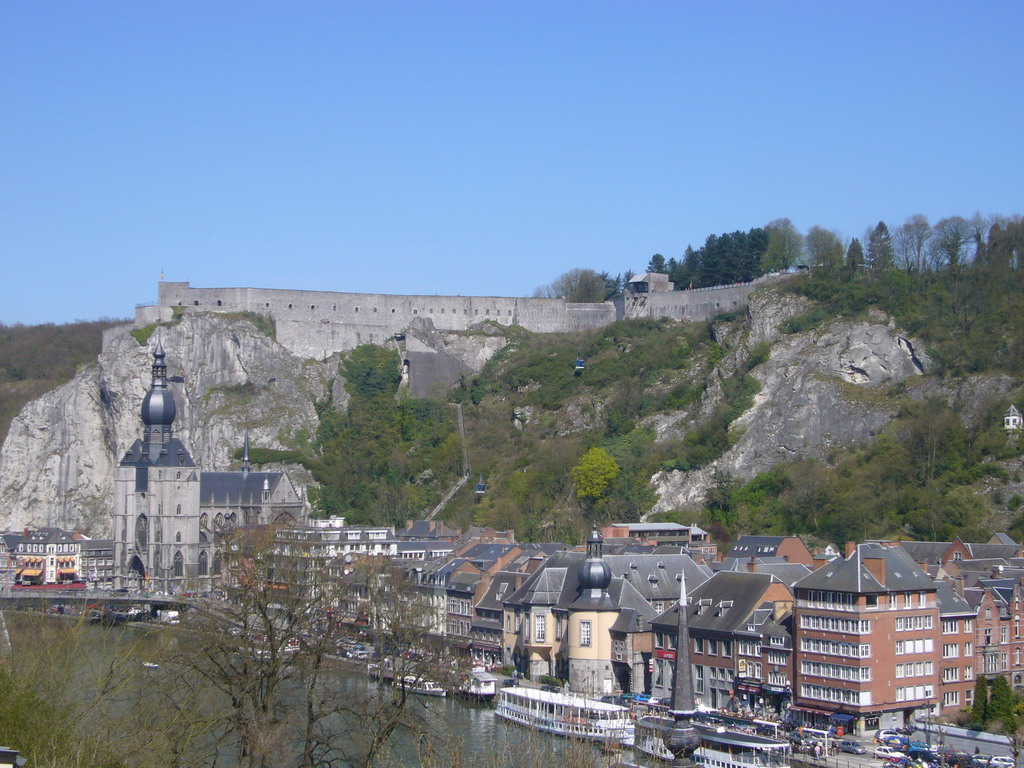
x=56, y=465
x=816, y=392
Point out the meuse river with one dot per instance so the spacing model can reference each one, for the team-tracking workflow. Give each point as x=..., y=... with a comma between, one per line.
x=466, y=734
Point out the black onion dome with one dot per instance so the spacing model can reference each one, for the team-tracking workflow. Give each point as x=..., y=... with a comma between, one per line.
x=158, y=409
x=595, y=574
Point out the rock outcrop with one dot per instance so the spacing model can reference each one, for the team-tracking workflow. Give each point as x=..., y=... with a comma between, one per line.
x=227, y=376
x=56, y=465
x=816, y=394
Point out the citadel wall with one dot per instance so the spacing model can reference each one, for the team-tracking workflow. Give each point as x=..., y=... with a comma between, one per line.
x=316, y=324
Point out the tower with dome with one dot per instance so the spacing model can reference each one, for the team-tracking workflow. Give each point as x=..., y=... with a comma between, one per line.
x=169, y=515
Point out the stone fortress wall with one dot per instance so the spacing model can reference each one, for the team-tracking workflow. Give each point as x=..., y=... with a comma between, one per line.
x=316, y=324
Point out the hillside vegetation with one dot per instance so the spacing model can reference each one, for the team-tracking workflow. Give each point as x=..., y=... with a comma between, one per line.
x=37, y=358
x=560, y=449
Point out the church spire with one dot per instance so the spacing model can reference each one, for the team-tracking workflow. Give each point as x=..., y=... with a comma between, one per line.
x=245, y=455
x=158, y=409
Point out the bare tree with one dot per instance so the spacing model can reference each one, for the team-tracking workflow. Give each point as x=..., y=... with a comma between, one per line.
x=824, y=247
x=912, y=242
x=950, y=244
x=576, y=285
x=266, y=661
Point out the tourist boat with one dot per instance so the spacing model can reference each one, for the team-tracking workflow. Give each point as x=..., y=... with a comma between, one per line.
x=414, y=684
x=566, y=714
x=720, y=746
x=724, y=747
x=479, y=685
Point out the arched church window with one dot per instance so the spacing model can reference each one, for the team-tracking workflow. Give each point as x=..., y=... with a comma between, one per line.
x=179, y=564
x=204, y=520
x=178, y=477
x=158, y=534
x=218, y=522
x=230, y=521
x=202, y=563
x=177, y=537
x=216, y=563
x=177, y=511
x=141, y=530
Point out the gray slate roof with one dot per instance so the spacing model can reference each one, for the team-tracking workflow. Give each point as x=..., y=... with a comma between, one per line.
x=723, y=603
x=235, y=487
x=902, y=573
x=173, y=453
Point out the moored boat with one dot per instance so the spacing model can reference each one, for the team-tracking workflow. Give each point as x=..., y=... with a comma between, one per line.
x=724, y=747
x=479, y=685
x=566, y=714
x=720, y=746
x=423, y=687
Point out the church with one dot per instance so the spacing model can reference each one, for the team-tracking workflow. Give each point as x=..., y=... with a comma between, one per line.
x=169, y=515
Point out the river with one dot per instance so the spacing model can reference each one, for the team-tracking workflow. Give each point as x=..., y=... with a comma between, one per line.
x=461, y=733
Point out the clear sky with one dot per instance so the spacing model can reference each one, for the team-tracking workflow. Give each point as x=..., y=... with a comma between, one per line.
x=478, y=148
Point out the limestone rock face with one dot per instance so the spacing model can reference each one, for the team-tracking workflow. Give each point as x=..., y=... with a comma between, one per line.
x=56, y=465
x=815, y=394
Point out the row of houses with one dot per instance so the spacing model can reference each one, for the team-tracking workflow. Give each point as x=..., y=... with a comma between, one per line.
x=873, y=638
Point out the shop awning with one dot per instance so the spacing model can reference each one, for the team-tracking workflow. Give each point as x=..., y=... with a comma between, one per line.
x=30, y=572
x=72, y=571
x=842, y=718
x=812, y=711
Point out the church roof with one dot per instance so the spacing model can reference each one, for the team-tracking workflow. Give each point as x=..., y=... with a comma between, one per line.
x=235, y=487
x=173, y=453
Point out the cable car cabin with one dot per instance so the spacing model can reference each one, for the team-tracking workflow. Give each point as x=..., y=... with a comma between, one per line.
x=580, y=365
x=481, y=486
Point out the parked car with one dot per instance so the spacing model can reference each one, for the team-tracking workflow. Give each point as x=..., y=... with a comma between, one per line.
x=885, y=733
x=900, y=742
x=885, y=751
x=1001, y=761
x=848, y=745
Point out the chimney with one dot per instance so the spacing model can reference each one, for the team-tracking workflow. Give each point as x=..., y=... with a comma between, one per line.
x=851, y=547
x=958, y=585
x=876, y=567
x=752, y=565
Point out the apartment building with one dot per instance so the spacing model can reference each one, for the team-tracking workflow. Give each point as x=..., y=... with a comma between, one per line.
x=866, y=630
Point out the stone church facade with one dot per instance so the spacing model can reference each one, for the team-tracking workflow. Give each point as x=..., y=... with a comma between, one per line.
x=169, y=515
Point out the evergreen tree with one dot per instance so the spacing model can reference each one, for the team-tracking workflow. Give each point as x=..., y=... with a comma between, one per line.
x=1000, y=704
x=880, y=253
x=656, y=264
x=979, y=712
x=854, y=255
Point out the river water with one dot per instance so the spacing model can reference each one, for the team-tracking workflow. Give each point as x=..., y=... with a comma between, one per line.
x=463, y=733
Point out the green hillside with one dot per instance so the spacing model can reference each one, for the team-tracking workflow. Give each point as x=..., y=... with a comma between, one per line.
x=37, y=358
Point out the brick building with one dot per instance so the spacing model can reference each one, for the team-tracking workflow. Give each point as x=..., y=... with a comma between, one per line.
x=867, y=629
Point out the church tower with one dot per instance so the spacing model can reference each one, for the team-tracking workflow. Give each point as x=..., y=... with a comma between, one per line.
x=158, y=544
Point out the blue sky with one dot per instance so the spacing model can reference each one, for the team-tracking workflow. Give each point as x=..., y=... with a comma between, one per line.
x=475, y=148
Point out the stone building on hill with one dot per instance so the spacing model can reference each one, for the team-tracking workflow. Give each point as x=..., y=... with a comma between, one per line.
x=169, y=515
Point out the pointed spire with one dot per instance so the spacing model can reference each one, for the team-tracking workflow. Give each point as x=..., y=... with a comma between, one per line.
x=245, y=455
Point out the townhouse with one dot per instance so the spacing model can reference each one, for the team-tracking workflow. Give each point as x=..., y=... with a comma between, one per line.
x=740, y=639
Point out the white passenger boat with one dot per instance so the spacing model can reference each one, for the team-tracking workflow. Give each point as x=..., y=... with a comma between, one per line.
x=423, y=687
x=724, y=747
x=566, y=714
x=720, y=747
